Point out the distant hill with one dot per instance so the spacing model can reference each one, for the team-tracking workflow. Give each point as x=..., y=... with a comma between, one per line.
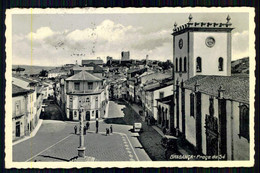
x=240, y=66
x=33, y=69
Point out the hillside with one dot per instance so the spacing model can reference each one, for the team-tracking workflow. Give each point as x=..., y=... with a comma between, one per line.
x=33, y=69
x=240, y=66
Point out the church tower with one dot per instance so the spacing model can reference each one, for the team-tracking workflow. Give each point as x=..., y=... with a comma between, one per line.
x=201, y=48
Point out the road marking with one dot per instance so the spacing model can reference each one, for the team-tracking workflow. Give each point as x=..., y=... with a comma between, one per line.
x=48, y=148
x=123, y=135
x=130, y=144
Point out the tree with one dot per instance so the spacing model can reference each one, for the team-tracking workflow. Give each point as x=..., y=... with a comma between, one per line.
x=43, y=73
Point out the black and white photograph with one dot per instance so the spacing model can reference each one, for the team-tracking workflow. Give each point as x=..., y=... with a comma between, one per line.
x=128, y=87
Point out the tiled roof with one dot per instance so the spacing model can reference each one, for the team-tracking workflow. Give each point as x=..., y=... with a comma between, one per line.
x=166, y=100
x=24, y=78
x=16, y=90
x=83, y=76
x=96, y=68
x=235, y=87
x=133, y=70
x=157, y=85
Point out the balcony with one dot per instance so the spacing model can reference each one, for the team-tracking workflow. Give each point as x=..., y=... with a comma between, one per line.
x=85, y=92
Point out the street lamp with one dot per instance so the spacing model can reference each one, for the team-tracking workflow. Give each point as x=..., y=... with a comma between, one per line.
x=81, y=148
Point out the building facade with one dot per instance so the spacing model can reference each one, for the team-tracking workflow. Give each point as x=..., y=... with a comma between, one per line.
x=125, y=56
x=211, y=113
x=84, y=91
x=20, y=116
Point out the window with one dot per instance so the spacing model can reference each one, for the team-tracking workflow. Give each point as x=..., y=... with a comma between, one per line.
x=176, y=65
x=90, y=85
x=198, y=64
x=75, y=113
x=192, y=104
x=185, y=64
x=96, y=99
x=17, y=107
x=180, y=64
x=96, y=113
x=76, y=85
x=244, y=121
x=220, y=64
x=161, y=95
x=87, y=99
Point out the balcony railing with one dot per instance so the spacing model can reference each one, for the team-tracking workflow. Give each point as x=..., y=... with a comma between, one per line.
x=85, y=91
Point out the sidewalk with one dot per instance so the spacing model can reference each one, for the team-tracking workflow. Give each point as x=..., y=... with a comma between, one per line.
x=136, y=108
x=33, y=133
x=155, y=142
x=150, y=138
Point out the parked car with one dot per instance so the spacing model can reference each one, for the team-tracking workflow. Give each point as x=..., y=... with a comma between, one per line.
x=137, y=127
x=169, y=142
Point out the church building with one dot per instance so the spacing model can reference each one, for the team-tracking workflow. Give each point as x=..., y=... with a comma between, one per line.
x=211, y=106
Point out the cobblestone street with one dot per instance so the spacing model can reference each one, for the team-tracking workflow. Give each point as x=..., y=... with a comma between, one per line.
x=56, y=141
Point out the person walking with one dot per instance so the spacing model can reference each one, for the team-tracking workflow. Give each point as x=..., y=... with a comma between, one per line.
x=87, y=125
x=107, y=131
x=111, y=129
x=75, y=129
x=85, y=130
x=97, y=126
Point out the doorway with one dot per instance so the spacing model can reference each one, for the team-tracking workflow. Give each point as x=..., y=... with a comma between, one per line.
x=87, y=116
x=17, y=131
x=211, y=135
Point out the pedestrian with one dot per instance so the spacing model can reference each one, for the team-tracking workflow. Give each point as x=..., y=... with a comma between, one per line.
x=111, y=129
x=164, y=130
x=96, y=126
x=107, y=131
x=87, y=125
x=75, y=129
x=85, y=129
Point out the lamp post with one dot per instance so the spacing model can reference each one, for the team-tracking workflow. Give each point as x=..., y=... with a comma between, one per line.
x=81, y=148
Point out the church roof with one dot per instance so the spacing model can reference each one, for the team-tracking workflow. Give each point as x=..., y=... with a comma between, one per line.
x=235, y=87
x=83, y=76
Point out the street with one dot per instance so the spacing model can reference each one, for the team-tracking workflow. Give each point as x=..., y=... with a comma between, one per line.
x=56, y=141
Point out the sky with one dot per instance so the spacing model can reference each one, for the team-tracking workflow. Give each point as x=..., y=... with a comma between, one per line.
x=58, y=39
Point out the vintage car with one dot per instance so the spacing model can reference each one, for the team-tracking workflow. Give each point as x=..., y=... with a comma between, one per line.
x=137, y=127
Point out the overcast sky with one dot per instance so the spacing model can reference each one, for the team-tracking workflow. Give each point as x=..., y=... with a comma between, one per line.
x=57, y=39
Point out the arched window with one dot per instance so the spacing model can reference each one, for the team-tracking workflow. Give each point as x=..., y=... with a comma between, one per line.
x=198, y=64
x=220, y=64
x=180, y=65
x=244, y=121
x=176, y=65
x=185, y=64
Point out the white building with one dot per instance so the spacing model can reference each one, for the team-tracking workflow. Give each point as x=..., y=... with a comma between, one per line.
x=211, y=107
x=86, y=91
x=33, y=102
x=20, y=117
